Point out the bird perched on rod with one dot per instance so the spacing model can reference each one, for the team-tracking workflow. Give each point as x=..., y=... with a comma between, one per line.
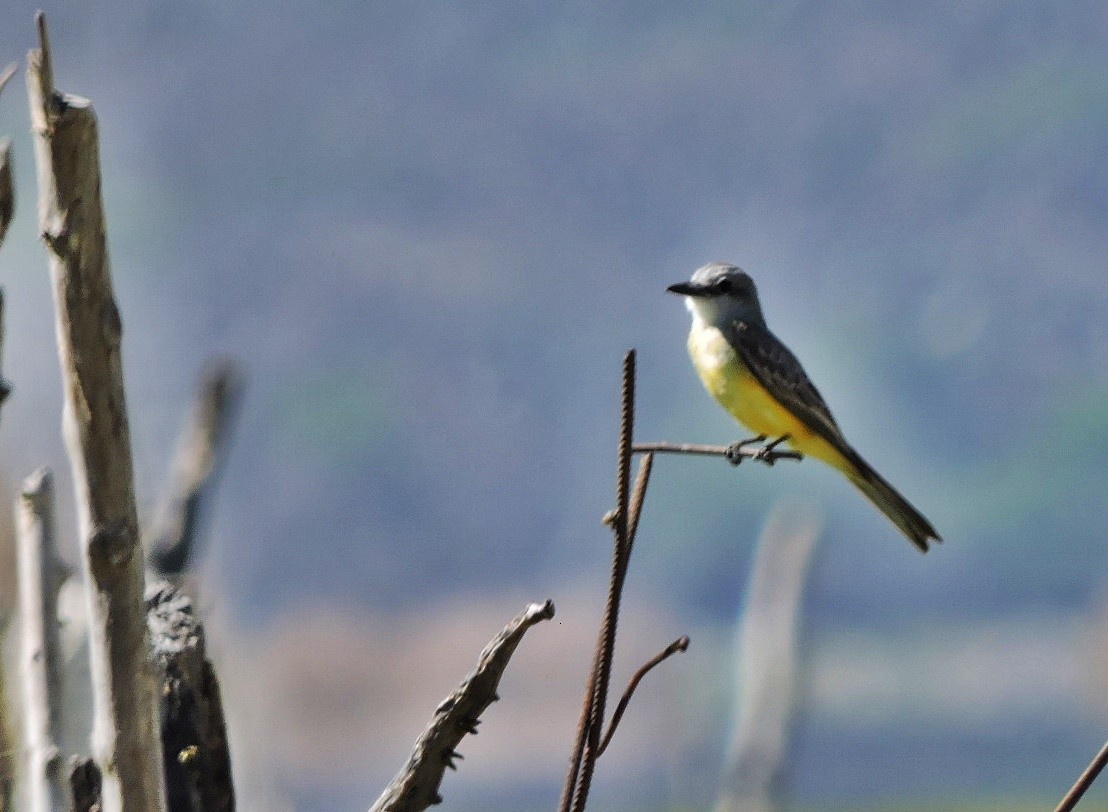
x=759, y=381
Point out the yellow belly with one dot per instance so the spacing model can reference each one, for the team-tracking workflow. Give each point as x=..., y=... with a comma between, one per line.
x=729, y=381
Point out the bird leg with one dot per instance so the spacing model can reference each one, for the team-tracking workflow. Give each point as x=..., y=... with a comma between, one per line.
x=735, y=452
x=765, y=453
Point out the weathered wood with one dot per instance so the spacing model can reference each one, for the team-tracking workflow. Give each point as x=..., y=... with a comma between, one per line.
x=416, y=786
x=7, y=211
x=84, y=785
x=89, y=332
x=5, y=387
x=7, y=74
x=196, y=465
x=194, y=736
x=41, y=573
x=7, y=187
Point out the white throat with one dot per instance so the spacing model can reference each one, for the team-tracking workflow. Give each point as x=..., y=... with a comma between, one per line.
x=703, y=311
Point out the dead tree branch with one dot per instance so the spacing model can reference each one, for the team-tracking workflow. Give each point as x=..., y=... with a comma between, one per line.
x=196, y=466
x=41, y=573
x=5, y=387
x=85, y=785
x=7, y=211
x=7, y=74
x=125, y=741
x=194, y=735
x=7, y=188
x=1084, y=781
x=416, y=786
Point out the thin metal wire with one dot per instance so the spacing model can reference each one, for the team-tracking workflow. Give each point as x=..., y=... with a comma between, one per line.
x=731, y=452
x=621, y=549
x=638, y=495
x=680, y=644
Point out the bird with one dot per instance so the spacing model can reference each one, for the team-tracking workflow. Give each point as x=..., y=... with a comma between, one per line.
x=758, y=380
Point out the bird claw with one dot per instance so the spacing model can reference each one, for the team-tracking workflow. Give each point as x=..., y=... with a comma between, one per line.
x=736, y=452
x=765, y=453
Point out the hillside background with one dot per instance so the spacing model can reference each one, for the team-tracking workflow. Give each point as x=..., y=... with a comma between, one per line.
x=429, y=232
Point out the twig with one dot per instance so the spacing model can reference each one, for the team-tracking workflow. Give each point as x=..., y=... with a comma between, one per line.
x=680, y=644
x=41, y=573
x=195, y=469
x=194, y=735
x=416, y=786
x=125, y=741
x=1084, y=781
x=732, y=452
x=7, y=74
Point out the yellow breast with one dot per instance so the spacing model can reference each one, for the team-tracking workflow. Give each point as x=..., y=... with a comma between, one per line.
x=729, y=381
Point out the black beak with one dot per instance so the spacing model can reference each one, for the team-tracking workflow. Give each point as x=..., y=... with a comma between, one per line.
x=687, y=289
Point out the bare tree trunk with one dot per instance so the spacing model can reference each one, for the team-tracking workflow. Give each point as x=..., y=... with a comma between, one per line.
x=7, y=186
x=124, y=739
x=194, y=736
x=85, y=785
x=7, y=211
x=5, y=387
x=41, y=573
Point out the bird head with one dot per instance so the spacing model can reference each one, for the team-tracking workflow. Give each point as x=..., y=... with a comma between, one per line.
x=719, y=294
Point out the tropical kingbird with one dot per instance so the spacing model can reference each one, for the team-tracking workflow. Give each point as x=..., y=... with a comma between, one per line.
x=759, y=381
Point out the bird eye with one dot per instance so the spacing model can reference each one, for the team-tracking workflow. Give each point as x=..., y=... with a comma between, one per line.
x=723, y=286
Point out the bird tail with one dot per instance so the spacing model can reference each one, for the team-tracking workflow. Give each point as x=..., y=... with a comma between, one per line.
x=885, y=497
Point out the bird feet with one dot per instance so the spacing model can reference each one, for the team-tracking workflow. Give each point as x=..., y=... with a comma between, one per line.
x=737, y=452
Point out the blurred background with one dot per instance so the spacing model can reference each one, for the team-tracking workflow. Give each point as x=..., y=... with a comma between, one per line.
x=429, y=232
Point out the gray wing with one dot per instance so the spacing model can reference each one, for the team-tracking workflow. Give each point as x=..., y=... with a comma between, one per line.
x=776, y=368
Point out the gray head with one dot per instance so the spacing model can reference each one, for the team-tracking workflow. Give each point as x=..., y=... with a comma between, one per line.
x=719, y=294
